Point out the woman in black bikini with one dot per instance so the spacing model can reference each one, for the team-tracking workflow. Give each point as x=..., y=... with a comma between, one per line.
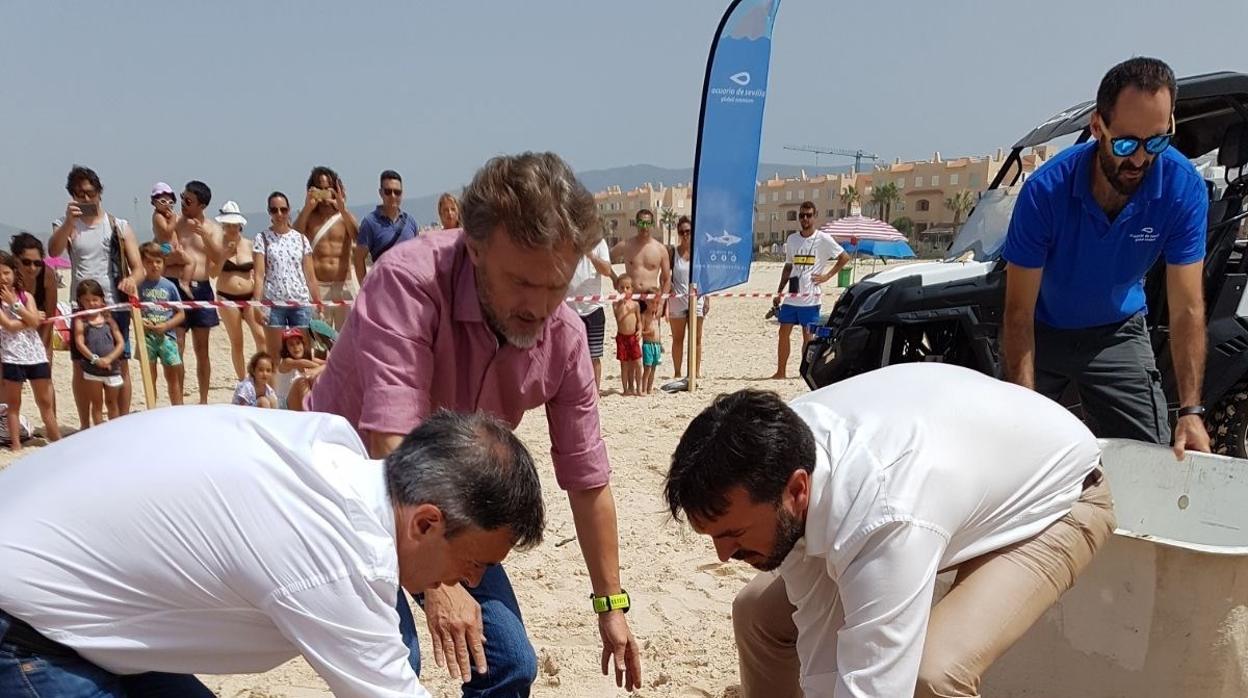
x=235, y=282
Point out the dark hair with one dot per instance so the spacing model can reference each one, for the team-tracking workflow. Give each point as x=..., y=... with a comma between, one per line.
x=389, y=174
x=10, y=261
x=201, y=191
x=285, y=353
x=78, y=173
x=644, y=212
x=25, y=241
x=151, y=248
x=255, y=360
x=274, y=195
x=1145, y=74
x=684, y=220
x=808, y=206
x=475, y=470
x=322, y=170
x=88, y=287
x=750, y=439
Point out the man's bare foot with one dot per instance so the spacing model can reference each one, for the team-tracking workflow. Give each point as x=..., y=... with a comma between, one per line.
x=778, y=376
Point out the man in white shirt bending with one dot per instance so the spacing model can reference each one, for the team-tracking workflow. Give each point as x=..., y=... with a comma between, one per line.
x=130, y=562
x=859, y=494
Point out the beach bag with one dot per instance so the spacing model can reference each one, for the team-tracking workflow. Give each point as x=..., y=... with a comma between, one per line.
x=4, y=425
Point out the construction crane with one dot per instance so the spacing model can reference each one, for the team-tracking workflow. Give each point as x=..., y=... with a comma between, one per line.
x=858, y=155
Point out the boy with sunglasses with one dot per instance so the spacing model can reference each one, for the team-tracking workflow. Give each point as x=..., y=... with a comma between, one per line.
x=1086, y=229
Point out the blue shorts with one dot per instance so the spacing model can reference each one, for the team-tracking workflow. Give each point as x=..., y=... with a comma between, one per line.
x=802, y=315
x=651, y=353
x=280, y=316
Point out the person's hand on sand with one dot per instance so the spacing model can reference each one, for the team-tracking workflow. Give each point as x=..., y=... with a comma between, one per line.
x=619, y=644
x=456, y=630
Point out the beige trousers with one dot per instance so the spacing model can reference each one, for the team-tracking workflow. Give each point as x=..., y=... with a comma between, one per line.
x=336, y=316
x=994, y=600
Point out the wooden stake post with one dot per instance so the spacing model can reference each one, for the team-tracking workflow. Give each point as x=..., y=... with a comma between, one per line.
x=691, y=334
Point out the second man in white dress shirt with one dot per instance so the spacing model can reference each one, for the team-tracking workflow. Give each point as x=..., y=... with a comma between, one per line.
x=858, y=494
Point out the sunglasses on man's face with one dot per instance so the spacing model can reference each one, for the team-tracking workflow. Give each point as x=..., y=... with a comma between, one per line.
x=644, y=224
x=683, y=231
x=1125, y=146
x=32, y=263
x=805, y=215
x=391, y=192
x=274, y=210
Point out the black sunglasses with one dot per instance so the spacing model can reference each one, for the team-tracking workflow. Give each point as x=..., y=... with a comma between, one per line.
x=32, y=263
x=274, y=210
x=683, y=231
x=392, y=192
x=805, y=215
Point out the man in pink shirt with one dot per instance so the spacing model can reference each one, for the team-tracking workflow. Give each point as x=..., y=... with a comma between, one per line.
x=474, y=319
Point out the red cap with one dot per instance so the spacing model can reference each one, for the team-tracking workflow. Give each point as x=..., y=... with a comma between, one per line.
x=292, y=332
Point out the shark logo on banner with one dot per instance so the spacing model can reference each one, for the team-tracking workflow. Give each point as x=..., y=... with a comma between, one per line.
x=731, y=125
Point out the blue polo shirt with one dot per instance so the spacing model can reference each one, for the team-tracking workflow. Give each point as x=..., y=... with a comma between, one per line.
x=378, y=233
x=1093, y=269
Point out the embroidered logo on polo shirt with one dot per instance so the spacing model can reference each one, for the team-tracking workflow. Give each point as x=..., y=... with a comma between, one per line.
x=1145, y=235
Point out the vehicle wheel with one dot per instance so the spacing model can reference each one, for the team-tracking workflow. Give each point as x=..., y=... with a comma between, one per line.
x=1228, y=424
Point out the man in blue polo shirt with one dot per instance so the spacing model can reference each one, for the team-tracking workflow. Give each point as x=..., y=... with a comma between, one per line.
x=385, y=227
x=1086, y=229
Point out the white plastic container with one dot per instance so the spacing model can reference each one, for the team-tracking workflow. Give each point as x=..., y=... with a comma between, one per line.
x=1163, y=608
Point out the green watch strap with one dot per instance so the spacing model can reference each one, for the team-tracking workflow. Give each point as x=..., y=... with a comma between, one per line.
x=614, y=602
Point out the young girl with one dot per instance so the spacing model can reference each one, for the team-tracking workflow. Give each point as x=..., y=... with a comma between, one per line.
x=256, y=390
x=296, y=365
x=100, y=344
x=23, y=354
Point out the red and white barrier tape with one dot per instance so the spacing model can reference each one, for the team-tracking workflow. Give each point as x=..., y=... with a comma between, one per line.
x=210, y=305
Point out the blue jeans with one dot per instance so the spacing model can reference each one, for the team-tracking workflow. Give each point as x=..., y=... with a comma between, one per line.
x=28, y=675
x=282, y=316
x=512, y=662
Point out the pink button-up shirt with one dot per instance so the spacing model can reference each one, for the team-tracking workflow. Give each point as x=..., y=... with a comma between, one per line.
x=416, y=340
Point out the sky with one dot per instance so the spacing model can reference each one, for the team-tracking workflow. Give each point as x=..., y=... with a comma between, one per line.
x=248, y=96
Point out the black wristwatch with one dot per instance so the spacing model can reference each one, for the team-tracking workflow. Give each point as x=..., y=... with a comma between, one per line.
x=1197, y=410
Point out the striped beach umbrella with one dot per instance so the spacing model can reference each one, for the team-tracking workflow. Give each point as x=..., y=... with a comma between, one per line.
x=854, y=228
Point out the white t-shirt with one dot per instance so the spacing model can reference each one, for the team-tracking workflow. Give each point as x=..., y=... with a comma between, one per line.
x=283, y=265
x=808, y=256
x=919, y=467
x=270, y=536
x=586, y=281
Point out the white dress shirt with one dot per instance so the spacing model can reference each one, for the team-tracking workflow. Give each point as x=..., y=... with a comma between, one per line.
x=213, y=540
x=919, y=467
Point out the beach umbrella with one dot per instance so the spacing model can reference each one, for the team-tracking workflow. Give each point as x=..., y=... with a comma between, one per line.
x=861, y=228
x=896, y=249
x=857, y=232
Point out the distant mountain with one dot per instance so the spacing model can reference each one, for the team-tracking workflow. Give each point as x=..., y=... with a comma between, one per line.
x=632, y=176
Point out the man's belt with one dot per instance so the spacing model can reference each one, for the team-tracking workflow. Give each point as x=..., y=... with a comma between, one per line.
x=25, y=638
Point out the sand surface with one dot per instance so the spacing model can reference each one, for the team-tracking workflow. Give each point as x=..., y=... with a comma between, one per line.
x=681, y=593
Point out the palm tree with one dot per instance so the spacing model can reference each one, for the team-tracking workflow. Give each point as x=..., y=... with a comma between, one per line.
x=884, y=196
x=849, y=197
x=668, y=218
x=960, y=203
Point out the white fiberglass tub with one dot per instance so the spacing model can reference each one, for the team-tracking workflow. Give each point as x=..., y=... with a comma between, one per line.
x=1163, y=608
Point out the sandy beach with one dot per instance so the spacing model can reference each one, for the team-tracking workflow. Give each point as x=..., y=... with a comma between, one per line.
x=681, y=594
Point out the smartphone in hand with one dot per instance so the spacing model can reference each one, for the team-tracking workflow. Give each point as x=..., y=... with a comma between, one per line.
x=88, y=210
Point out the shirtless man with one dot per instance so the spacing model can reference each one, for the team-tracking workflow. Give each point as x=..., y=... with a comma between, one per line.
x=645, y=260
x=332, y=230
x=198, y=246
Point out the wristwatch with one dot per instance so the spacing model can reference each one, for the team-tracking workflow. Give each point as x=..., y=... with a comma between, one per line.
x=612, y=602
x=15, y=307
x=1197, y=410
